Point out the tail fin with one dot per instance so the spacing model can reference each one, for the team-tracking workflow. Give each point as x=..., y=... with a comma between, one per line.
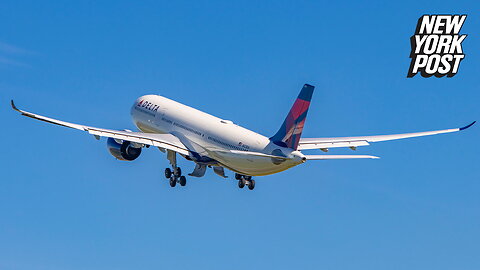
x=289, y=134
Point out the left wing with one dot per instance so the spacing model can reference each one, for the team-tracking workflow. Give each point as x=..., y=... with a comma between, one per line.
x=166, y=141
x=353, y=142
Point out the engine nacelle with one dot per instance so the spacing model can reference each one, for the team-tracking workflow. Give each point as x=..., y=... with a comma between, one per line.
x=123, y=150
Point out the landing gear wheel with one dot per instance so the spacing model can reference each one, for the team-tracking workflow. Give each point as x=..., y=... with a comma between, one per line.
x=247, y=177
x=251, y=184
x=177, y=171
x=238, y=176
x=168, y=173
x=183, y=181
x=241, y=183
x=173, y=182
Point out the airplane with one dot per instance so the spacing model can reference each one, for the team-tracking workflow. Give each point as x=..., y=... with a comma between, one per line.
x=212, y=142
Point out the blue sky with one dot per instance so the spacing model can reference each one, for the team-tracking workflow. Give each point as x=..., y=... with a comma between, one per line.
x=65, y=203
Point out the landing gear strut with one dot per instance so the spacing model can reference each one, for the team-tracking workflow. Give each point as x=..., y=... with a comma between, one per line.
x=175, y=176
x=245, y=180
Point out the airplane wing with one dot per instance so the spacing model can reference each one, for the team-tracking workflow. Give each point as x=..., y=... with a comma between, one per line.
x=166, y=141
x=325, y=143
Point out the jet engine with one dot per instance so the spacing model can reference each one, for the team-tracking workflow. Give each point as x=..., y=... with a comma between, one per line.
x=123, y=150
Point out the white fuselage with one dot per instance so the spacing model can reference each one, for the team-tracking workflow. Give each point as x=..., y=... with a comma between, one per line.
x=209, y=137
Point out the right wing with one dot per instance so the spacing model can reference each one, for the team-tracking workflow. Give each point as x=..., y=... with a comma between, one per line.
x=166, y=141
x=353, y=142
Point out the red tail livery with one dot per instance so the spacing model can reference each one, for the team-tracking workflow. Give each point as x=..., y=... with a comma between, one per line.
x=289, y=134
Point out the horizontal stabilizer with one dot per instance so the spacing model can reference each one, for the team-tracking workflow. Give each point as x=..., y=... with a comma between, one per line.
x=322, y=157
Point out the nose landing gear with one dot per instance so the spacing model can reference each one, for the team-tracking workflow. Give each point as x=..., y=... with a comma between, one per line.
x=245, y=180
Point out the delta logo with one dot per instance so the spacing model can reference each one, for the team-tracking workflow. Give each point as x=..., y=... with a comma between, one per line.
x=148, y=105
x=437, y=46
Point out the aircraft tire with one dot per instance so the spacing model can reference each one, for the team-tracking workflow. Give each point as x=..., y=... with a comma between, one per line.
x=241, y=183
x=251, y=184
x=183, y=181
x=177, y=172
x=168, y=173
x=173, y=182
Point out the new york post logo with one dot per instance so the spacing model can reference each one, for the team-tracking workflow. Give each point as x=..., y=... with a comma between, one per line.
x=437, y=46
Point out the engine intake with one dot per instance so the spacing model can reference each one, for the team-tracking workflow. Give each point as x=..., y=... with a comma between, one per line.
x=123, y=150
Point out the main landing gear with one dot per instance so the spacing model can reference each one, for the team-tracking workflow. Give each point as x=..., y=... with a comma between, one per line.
x=174, y=176
x=245, y=180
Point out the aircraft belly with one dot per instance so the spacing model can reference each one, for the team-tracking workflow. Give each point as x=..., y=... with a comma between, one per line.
x=254, y=166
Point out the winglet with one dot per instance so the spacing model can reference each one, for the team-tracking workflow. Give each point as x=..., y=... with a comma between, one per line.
x=13, y=106
x=467, y=126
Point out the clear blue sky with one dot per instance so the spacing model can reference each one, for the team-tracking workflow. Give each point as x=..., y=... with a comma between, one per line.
x=65, y=203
